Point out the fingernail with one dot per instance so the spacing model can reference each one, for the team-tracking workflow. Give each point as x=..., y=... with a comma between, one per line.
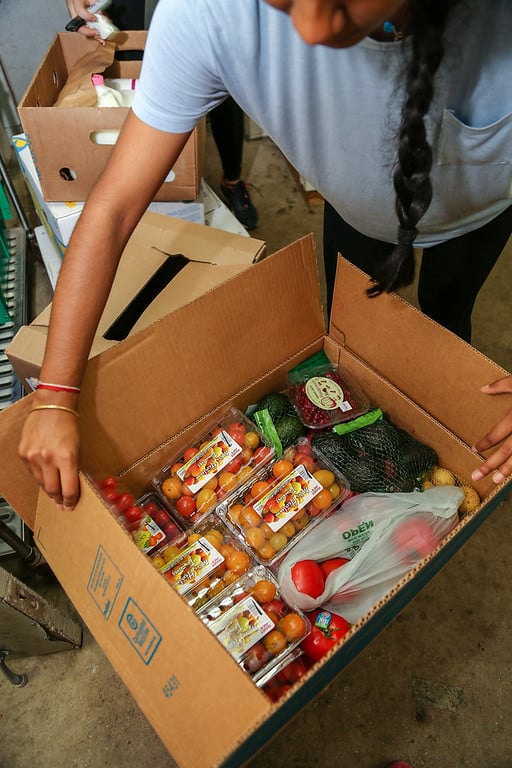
x=59, y=506
x=485, y=388
x=498, y=477
x=476, y=475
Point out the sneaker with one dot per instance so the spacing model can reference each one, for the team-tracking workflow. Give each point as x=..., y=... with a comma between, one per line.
x=239, y=201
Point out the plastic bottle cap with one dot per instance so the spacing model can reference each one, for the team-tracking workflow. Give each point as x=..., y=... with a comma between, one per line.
x=97, y=79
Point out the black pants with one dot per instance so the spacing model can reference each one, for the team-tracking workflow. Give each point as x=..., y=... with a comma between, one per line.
x=451, y=273
x=227, y=124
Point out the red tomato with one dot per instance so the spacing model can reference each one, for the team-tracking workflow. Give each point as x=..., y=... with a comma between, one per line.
x=124, y=501
x=326, y=629
x=189, y=452
x=308, y=577
x=276, y=609
x=328, y=566
x=255, y=658
x=110, y=495
x=133, y=514
x=186, y=506
x=109, y=482
x=414, y=539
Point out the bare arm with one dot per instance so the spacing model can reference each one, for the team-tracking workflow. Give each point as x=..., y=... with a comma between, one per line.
x=137, y=168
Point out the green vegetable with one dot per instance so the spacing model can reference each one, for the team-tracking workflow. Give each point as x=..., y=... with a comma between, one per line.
x=289, y=429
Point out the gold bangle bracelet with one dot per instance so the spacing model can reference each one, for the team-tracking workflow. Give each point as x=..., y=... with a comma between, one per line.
x=54, y=408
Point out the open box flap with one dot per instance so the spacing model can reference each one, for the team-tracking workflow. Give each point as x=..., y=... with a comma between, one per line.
x=417, y=356
x=150, y=635
x=214, y=256
x=162, y=379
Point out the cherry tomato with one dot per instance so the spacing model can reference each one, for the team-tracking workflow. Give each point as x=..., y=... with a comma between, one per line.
x=292, y=626
x=328, y=566
x=326, y=630
x=109, y=482
x=264, y=591
x=308, y=577
x=186, y=506
x=188, y=454
x=255, y=658
x=276, y=609
x=124, y=501
x=275, y=642
x=133, y=514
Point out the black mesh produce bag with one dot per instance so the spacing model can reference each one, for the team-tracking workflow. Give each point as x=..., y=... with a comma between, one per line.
x=378, y=457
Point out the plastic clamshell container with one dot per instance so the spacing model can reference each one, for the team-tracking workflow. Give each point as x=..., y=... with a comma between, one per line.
x=323, y=396
x=223, y=457
x=281, y=504
x=281, y=678
x=204, y=562
x=156, y=526
x=256, y=626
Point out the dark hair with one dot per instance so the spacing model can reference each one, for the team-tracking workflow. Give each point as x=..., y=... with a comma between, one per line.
x=426, y=23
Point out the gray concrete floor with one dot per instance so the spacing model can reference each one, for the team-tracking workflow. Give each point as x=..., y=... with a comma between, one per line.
x=435, y=688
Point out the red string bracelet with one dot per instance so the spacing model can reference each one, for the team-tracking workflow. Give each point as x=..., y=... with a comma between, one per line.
x=57, y=387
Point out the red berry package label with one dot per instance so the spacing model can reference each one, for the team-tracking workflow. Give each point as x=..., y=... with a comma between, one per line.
x=242, y=626
x=326, y=394
x=148, y=535
x=208, y=461
x=289, y=496
x=192, y=565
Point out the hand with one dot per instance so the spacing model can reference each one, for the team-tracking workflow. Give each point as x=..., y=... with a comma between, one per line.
x=501, y=459
x=80, y=8
x=49, y=446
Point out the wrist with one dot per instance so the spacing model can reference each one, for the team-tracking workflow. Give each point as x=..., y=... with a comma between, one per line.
x=46, y=397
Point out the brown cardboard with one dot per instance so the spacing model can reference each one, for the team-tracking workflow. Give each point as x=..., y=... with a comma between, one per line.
x=231, y=345
x=214, y=257
x=60, y=137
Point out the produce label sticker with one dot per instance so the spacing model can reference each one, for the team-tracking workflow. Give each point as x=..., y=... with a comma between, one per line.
x=208, y=461
x=104, y=582
x=148, y=535
x=192, y=565
x=326, y=394
x=288, y=497
x=242, y=627
x=139, y=630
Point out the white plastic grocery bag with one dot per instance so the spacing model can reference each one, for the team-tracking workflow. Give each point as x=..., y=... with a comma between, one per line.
x=384, y=535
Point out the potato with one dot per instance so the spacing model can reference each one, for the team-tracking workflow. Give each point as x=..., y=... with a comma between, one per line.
x=471, y=500
x=442, y=476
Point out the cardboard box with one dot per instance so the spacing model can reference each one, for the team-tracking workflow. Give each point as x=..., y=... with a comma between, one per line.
x=214, y=256
x=230, y=346
x=69, y=162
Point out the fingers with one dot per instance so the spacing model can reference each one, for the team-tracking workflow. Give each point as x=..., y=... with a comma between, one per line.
x=49, y=449
x=498, y=387
x=500, y=462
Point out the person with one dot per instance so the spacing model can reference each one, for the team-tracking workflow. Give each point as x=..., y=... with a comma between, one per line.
x=226, y=120
x=410, y=126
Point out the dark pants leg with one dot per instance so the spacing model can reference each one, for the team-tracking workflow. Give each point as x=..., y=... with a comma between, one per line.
x=227, y=123
x=451, y=274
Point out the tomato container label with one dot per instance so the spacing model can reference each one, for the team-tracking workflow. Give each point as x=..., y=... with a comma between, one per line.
x=192, y=565
x=242, y=627
x=326, y=394
x=288, y=497
x=148, y=535
x=209, y=461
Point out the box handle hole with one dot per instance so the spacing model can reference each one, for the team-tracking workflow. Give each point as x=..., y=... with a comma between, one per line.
x=67, y=174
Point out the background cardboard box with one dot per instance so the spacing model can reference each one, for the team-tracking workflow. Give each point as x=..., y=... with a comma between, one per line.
x=61, y=137
x=424, y=379
x=215, y=256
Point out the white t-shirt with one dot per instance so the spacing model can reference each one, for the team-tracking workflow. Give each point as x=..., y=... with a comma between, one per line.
x=334, y=113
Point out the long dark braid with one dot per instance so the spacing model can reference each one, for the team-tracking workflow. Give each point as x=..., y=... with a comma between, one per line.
x=411, y=178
